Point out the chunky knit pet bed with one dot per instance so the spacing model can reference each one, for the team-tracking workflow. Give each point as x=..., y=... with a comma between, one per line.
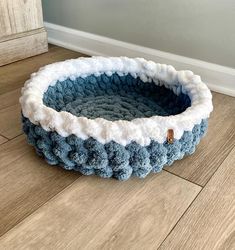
x=114, y=117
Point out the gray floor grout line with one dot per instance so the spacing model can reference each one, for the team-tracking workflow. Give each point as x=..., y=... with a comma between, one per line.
x=193, y=199
x=183, y=178
x=46, y=202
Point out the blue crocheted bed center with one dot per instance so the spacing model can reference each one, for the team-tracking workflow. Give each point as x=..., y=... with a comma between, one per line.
x=114, y=97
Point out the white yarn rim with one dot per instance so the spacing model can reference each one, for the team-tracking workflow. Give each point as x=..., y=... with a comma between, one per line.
x=140, y=130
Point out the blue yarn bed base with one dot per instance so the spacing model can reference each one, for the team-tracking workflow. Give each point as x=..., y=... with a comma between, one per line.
x=112, y=97
x=111, y=159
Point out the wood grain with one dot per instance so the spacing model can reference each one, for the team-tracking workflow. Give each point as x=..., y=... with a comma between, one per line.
x=22, y=47
x=10, y=120
x=2, y=140
x=22, y=34
x=20, y=16
x=210, y=221
x=41, y=207
x=214, y=148
x=10, y=117
x=95, y=213
x=21, y=30
x=10, y=98
x=26, y=182
x=14, y=75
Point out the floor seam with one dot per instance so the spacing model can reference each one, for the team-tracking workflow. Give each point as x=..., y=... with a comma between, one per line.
x=183, y=178
x=59, y=193
x=30, y=214
x=15, y=136
x=218, y=166
x=202, y=188
x=4, y=138
x=180, y=218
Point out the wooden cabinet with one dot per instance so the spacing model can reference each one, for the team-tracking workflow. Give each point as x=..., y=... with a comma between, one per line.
x=21, y=30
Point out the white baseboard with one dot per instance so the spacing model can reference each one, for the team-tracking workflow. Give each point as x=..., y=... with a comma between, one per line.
x=218, y=78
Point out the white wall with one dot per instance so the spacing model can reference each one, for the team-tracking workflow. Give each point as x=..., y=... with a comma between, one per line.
x=203, y=29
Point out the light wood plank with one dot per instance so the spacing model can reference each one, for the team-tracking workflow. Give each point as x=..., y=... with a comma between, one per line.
x=20, y=16
x=214, y=148
x=26, y=182
x=21, y=30
x=10, y=117
x=10, y=114
x=10, y=98
x=94, y=213
x=2, y=139
x=23, y=47
x=21, y=34
x=10, y=120
x=14, y=75
x=106, y=214
x=210, y=221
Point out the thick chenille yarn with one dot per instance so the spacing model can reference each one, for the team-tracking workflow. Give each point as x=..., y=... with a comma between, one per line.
x=112, y=97
x=111, y=159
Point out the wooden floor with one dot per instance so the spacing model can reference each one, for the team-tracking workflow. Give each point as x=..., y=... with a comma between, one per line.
x=190, y=205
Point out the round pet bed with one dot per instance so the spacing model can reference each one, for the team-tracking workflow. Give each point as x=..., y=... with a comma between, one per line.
x=114, y=117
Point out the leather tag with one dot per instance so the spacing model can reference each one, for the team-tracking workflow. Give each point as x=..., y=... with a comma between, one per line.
x=170, y=136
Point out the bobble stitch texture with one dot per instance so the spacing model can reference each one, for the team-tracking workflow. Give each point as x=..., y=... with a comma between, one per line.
x=112, y=97
x=112, y=159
